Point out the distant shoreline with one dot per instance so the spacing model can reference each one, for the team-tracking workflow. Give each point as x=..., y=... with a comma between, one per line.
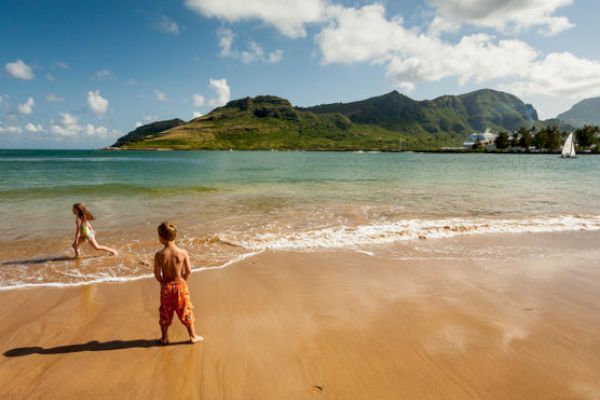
x=441, y=151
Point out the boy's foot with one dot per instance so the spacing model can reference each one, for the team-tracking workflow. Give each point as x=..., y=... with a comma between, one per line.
x=114, y=253
x=196, y=339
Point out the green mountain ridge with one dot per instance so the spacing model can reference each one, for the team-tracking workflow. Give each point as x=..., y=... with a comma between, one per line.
x=389, y=122
x=586, y=112
x=475, y=111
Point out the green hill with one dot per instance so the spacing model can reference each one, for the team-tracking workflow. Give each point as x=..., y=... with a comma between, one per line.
x=389, y=122
x=586, y=112
x=269, y=122
x=475, y=111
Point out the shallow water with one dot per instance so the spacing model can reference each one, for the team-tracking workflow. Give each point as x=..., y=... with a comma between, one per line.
x=228, y=204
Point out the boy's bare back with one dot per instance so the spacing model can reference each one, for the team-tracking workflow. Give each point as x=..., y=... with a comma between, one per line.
x=174, y=263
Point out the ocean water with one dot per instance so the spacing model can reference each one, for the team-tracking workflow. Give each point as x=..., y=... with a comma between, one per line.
x=232, y=204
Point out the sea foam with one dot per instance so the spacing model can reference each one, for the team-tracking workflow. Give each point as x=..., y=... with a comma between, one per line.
x=413, y=229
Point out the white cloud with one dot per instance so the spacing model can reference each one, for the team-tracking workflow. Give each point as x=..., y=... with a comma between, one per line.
x=97, y=103
x=27, y=107
x=50, y=77
x=289, y=17
x=253, y=52
x=559, y=74
x=10, y=129
x=365, y=35
x=33, y=128
x=502, y=15
x=19, y=70
x=196, y=114
x=167, y=25
x=102, y=74
x=275, y=56
x=160, y=96
x=222, y=92
x=69, y=126
x=53, y=98
x=138, y=124
x=198, y=100
x=60, y=65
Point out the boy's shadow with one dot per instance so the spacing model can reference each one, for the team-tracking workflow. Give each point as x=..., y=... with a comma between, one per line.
x=94, y=345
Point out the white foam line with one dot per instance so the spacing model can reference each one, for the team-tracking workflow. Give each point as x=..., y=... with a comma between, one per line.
x=123, y=279
x=414, y=229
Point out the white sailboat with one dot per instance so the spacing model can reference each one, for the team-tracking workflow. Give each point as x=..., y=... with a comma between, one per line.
x=568, y=150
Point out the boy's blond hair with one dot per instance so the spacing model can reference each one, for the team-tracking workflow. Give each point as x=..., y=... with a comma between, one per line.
x=167, y=231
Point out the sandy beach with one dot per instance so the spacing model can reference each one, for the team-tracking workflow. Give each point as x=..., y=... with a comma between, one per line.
x=334, y=324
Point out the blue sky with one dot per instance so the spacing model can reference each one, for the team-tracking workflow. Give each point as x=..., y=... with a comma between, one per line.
x=82, y=73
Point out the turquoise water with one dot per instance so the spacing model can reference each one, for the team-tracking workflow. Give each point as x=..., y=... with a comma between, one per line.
x=257, y=200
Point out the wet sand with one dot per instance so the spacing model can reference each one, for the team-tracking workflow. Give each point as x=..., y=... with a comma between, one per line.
x=331, y=325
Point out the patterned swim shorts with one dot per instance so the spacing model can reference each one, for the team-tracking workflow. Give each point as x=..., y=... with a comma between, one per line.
x=175, y=297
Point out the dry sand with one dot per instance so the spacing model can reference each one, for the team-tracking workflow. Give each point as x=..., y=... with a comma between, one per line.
x=335, y=325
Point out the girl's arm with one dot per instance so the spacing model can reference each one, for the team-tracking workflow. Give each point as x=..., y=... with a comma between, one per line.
x=78, y=230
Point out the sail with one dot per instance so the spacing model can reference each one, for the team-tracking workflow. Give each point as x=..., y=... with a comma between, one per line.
x=568, y=149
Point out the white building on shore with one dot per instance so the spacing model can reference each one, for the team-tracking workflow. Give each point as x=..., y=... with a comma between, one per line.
x=485, y=139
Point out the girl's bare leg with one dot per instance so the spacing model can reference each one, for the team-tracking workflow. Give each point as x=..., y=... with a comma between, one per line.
x=76, y=246
x=96, y=246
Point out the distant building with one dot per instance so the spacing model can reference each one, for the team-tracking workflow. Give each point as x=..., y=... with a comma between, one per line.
x=485, y=139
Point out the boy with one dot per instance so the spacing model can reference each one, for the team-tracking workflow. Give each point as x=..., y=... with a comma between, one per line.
x=172, y=268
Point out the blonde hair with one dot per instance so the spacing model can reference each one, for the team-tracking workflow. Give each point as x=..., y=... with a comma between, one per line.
x=83, y=212
x=167, y=231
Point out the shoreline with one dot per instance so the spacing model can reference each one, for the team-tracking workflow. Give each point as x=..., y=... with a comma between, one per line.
x=337, y=324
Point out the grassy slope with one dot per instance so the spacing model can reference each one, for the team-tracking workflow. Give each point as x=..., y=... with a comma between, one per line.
x=238, y=127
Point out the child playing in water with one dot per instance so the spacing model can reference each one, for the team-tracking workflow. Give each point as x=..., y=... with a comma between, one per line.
x=172, y=268
x=84, y=230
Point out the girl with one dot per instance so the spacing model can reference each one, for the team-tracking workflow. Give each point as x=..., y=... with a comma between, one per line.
x=85, y=231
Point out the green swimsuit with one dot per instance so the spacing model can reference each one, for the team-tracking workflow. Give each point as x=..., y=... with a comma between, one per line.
x=86, y=230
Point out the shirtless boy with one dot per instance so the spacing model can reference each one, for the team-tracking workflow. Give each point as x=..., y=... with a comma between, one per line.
x=172, y=268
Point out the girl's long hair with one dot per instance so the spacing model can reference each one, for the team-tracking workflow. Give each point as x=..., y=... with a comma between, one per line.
x=83, y=212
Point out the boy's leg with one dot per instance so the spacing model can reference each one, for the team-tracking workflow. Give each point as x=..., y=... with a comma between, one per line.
x=186, y=316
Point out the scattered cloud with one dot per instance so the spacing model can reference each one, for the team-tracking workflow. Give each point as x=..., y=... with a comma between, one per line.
x=27, y=107
x=50, y=77
x=69, y=126
x=253, y=52
x=53, y=98
x=275, y=56
x=365, y=35
x=196, y=114
x=102, y=74
x=60, y=65
x=198, y=100
x=97, y=103
x=503, y=15
x=19, y=70
x=138, y=124
x=33, y=128
x=288, y=17
x=222, y=92
x=10, y=129
x=167, y=25
x=160, y=96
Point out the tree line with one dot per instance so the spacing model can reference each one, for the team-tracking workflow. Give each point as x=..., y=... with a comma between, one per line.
x=548, y=139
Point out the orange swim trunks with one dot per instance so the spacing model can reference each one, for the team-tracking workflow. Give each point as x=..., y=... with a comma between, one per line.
x=175, y=297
